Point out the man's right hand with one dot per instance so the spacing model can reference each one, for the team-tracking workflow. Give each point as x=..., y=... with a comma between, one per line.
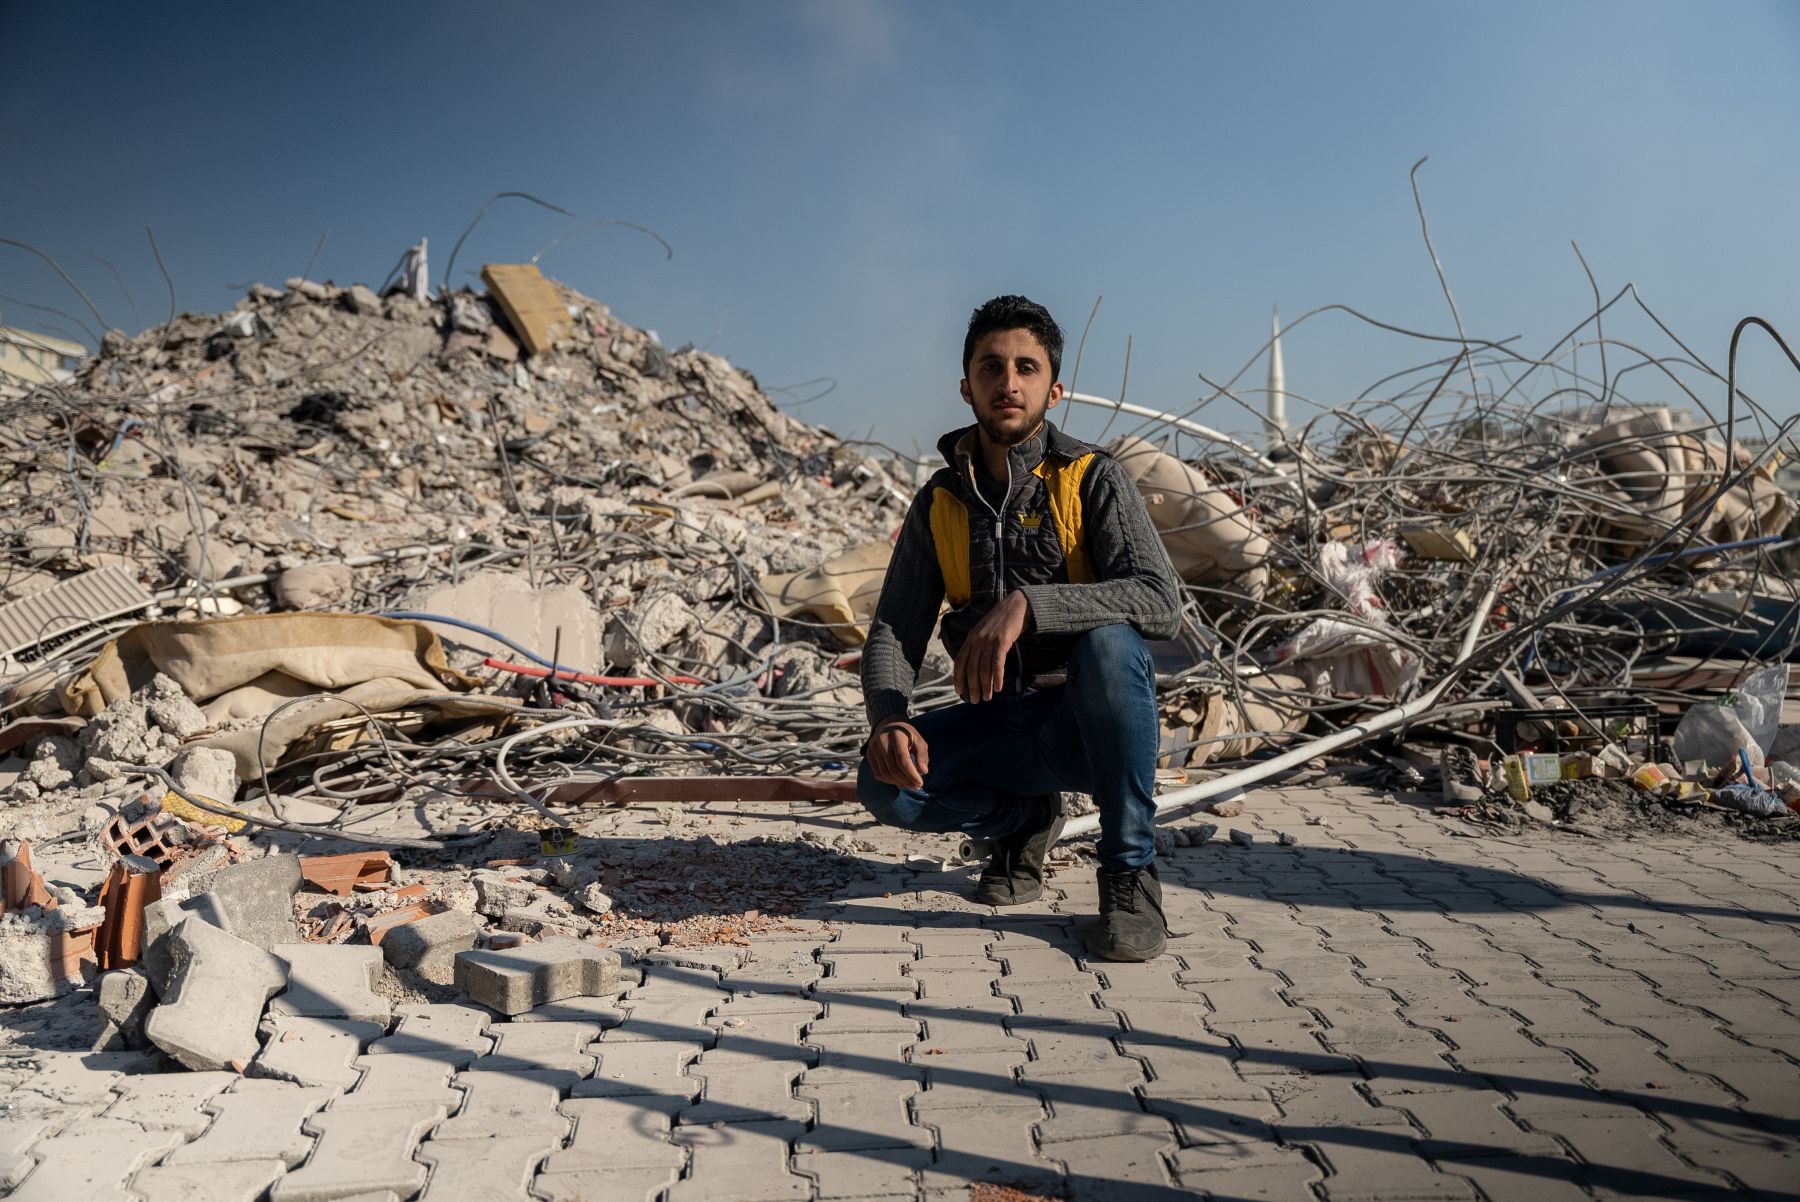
x=898, y=756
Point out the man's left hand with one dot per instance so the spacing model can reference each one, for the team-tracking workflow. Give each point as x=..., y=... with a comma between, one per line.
x=981, y=664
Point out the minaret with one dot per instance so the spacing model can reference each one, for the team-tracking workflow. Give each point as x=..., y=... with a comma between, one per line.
x=1276, y=422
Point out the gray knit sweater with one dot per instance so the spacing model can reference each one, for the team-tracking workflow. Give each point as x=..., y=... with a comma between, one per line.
x=1133, y=581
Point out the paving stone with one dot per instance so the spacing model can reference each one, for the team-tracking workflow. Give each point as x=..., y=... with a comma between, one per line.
x=451, y=1032
x=868, y=974
x=966, y=1080
x=434, y=939
x=891, y=938
x=225, y=1181
x=313, y=1051
x=1240, y=1171
x=721, y=958
x=609, y=1185
x=868, y=1053
x=92, y=1160
x=601, y=1011
x=256, y=1120
x=256, y=897
x=77, y=1080
x=741, y=1088
x=531, y=1047
x=613, y=1134
x=739, y=1162
x=508, y=1103
x=19, y=1129
x=889, y=1014
x=361, y=1151
x=1077, y=1113
x=486, y=1170
x=515, y=980
x=331, y=980
x=641, y=1069
x=859, y=1112
x=1462, y=1124
x=1380, y=1163
x=1521, y=1179
x=218, y=987
x=986, y=1145
x=767, y=1033
x=658, y=1018
x=1626, y=1157
x=174, y=1101
x=846, y=1175
x=968, y=1033
x=1217, y=1120
x=399, y=1079
x=1116, y=1168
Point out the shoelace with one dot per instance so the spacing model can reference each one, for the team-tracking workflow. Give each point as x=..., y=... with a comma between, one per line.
x=1119, y=892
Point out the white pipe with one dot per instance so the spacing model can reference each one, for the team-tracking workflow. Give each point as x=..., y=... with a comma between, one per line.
x=1233, y=784
x=1183, y=424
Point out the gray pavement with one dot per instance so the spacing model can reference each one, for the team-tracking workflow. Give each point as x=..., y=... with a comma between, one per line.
x=1388, y=1009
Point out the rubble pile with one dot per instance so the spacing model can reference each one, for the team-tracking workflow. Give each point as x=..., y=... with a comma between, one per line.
x=325, y=623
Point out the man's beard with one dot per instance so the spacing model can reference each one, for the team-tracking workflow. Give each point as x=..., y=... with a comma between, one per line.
x=1003, y=437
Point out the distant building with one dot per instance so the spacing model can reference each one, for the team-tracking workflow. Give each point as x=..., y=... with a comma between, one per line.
x=28, y=358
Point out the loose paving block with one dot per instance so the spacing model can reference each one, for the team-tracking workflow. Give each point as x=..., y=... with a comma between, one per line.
x=642, y=1068
x=511, y=1102
x=361, y=1151
x=126, y=999
x=313, y=1051
x=486, y=1170
x=436, y=937
x=742, y=1088
x=91, y=1161
x=619, y=1133
x=529, y=1047
x=515, y=980
x=235, y=1181
x=256, y=898
x=745, y=1162
x=722, y=958
x=327, y=980
x=175, y=1101
x=256, y=1120
x=601, y=1011
x=859, y=1112
x=218, y=987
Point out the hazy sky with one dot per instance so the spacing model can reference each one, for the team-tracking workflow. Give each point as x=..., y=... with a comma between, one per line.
x=843, y=181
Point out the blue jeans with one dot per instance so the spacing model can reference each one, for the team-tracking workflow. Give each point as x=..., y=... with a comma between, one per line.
x=1096, y=734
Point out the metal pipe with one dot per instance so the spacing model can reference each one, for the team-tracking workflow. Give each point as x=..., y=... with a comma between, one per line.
x=1233, y=784
x=1184, y=425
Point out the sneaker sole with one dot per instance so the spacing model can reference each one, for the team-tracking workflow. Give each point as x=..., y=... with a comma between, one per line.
x=1124, y=955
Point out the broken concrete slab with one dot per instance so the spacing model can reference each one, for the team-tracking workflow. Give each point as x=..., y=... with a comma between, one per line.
x=219, y=985
x=331, y=981
x=256, y=898
x=126, y=1000
x=516, y=979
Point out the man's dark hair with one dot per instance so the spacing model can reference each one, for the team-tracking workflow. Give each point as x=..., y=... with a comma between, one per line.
x=1015, y=313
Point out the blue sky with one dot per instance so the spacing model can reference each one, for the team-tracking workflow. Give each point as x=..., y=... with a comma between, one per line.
x=842, y=181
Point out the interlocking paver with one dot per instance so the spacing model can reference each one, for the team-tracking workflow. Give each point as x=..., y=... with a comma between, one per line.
x=401, y=1079
x=331, y=980
x=361, y=1151
x=614, y=1134
x=990, y=1144
x=313, y=1051
x=1263, y=1171
x=256, y=1120
x=740, y=1088
x=175, y=1101
x=486, y=1170
x=226, y=1181
x=508, y=1102
x=92, y=1160
x=642, y=1068
x=534, y=1047
x=847, y=1175
x=740, y=1162
x=859, y=1112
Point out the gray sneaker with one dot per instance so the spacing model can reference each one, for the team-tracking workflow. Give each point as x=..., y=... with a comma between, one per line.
x=1132, y=926
x=1015, y=874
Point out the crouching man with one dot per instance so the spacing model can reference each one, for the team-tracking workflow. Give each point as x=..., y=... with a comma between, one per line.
x=1054, y=577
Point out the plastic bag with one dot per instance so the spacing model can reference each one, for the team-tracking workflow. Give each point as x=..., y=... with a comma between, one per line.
x=1715, y=731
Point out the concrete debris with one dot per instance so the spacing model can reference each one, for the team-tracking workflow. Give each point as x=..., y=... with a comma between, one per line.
x=126, y=999
x=217, y=987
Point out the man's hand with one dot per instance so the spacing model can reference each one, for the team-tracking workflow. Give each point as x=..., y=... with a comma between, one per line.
x=981, y=664
x=897, y=754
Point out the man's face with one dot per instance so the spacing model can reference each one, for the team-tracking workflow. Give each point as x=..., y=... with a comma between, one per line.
x=1009, y=386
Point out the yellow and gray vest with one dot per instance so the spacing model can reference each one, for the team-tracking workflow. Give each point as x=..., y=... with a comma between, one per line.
x=1035, y=538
